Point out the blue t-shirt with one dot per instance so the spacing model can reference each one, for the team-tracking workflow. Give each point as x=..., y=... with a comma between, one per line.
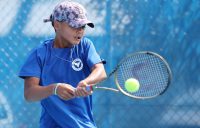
x=63, y=65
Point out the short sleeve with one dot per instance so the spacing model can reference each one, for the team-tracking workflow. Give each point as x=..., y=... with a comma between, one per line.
x=92, y=56
x=31, y=67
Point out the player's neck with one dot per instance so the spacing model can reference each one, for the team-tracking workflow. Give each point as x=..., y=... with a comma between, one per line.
x=60, y=43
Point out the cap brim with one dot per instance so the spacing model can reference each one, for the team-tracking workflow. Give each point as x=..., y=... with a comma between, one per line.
x=90, y=25
x=86, y=22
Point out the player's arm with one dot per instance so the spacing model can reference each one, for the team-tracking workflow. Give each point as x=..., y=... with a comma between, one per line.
x=34, y=92
x=98, y=74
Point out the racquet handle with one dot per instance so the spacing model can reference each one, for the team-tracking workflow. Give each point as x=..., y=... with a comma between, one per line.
x=89, y=88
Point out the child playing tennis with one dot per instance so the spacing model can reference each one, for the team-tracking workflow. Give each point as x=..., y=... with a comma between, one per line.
x=57, y=71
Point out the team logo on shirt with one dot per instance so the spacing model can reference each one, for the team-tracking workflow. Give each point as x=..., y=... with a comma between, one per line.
x=77, y=64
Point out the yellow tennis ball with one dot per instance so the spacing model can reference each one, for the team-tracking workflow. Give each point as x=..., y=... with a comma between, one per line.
x=132, y=85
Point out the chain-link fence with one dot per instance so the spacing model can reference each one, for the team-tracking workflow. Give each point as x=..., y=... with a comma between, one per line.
x=168, y=27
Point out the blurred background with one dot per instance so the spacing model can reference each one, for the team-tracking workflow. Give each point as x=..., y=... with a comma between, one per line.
x=168, y=27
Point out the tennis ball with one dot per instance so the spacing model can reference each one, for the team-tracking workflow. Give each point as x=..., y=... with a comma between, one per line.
x=132, y=85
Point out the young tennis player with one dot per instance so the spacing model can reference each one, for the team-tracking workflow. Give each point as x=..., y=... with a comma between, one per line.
x=57, y=71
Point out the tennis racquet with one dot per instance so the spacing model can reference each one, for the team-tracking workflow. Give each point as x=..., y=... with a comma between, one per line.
x=149, y=68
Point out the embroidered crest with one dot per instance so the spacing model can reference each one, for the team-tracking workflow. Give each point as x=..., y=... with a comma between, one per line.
x=77, y=64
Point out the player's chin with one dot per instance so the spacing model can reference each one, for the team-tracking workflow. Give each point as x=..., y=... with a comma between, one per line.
x=76, y=41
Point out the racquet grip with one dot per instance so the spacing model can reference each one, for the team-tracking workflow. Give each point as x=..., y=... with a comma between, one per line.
x=89, y=88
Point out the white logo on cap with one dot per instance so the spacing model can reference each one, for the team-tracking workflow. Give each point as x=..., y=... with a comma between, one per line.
x=77, y=64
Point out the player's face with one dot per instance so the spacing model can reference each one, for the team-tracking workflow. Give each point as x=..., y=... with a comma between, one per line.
x=69, y=36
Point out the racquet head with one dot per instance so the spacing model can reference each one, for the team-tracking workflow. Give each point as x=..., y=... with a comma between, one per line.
x=150, y=69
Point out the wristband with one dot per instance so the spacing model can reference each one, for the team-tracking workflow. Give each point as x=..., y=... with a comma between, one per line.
x=55, y=89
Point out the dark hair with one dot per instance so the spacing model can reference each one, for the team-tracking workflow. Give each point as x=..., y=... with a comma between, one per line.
x=52, y=20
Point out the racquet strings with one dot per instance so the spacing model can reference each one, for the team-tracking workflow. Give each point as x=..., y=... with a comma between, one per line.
x=150, y=70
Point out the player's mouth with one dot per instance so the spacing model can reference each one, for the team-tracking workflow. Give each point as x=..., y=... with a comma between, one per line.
x=78, y=37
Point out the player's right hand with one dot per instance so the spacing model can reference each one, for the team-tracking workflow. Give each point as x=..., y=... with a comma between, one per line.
x=65, y=91
x=81, y=91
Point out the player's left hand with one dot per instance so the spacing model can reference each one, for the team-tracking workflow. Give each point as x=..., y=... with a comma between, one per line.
x=81, y=91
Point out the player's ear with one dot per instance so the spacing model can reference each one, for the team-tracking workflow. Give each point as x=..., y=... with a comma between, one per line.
x=56, y=25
